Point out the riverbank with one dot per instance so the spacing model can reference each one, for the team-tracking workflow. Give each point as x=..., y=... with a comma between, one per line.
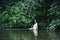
x=28, y=29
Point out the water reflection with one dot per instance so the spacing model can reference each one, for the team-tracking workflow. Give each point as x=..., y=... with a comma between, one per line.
x=35, y=32
x=28, y=35
x=16, y=35
x=53, y=35
x=22, y=35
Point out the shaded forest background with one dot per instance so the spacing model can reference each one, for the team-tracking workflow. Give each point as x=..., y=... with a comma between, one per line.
x=21, y=13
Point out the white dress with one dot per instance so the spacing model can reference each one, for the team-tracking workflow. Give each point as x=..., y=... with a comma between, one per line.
x=35, y=31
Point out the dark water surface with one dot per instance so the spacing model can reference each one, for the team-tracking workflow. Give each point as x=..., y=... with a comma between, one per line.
x=28, y=35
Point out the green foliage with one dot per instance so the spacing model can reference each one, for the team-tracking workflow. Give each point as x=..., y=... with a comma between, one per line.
x=54, y=13
x=22, y=13
x=16, y=14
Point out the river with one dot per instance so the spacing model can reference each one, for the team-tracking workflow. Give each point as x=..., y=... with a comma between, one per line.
x=28, y=35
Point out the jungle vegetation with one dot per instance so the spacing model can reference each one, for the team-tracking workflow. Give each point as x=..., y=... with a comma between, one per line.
x=21, y=13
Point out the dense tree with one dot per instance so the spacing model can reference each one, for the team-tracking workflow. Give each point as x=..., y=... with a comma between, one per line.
x=21, y=13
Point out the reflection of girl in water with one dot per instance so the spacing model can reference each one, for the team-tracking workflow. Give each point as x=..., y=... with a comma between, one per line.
x=35, y=29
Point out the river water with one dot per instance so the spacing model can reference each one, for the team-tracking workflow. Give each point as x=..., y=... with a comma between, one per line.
x=28, y=35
